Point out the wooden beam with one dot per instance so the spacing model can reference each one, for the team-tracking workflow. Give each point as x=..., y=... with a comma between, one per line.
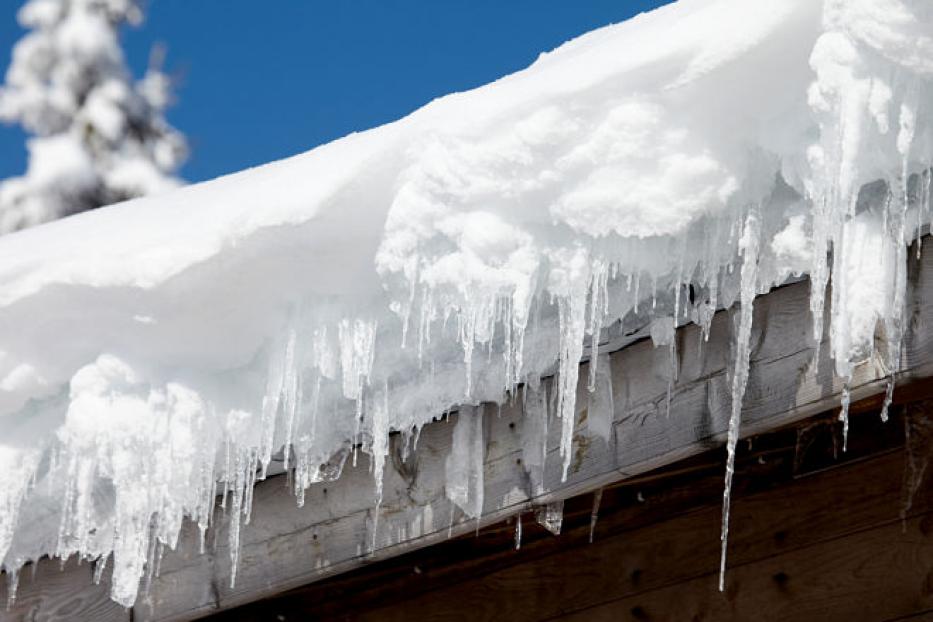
x=795, y=489
x=878, y=574
x=285, y=546
x=51, y=591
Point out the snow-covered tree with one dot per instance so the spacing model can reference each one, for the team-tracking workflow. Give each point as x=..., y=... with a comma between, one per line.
x=98, y=136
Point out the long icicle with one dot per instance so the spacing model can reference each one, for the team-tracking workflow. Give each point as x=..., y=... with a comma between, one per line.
x=748, y=246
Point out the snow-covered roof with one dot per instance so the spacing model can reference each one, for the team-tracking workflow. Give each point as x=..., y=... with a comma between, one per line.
x=647, y=172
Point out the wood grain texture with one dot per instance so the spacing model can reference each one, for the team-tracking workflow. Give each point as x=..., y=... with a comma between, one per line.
x=56, y=593
x=877, y=574
x=799, y=548
x=285, y=546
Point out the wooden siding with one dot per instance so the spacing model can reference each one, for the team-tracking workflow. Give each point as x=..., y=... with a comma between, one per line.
x=817, y=535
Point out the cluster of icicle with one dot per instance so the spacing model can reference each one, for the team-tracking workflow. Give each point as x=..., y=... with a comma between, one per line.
x=335, y=386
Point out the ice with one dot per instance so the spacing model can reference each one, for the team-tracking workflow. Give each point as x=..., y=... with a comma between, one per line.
x=662, y=331
x=159, y=353
x=100, y=565
x=551, y=516
x=12, y=587
x=379, y=445
x=594, y=513
x=570, y=311
x=750, y=246
x=600, y=407
x=599, y=309
x=844, y=416
x=464, y=466
x=534, y=434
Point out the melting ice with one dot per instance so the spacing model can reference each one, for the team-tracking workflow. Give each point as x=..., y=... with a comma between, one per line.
x=646, y=173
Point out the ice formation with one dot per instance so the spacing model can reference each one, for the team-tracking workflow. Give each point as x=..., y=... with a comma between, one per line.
x=160, y=353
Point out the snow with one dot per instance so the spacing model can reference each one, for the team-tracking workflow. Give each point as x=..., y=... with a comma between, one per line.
x=98, y=137
x=163, y=351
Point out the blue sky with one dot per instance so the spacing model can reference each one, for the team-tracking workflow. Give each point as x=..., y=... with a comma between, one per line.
x=259, y=85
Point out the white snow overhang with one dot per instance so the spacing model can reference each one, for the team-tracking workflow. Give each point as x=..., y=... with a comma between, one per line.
x=342, y=526
x=158, y=352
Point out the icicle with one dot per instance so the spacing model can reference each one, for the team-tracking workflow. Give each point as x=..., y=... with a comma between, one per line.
x=678, y=281
x=521, y=313
x=748, y=246
x=844, y=416
x=251, y=475
x=637, y=284
x=705, y=314
x=599, y=300
x=600, y=407
x=379, y=451
x=894, y=324
x=12, y=576
x=888, y=398
x=534, y=435
x=228, y=465
x=927, y=200
x=672, y=375
x=594, y=513
x=508, y=355
x=921, y=207
x=380, y=439
x=99, y=566
x=663, y=331
x=464, y=465
x=819, y=270
x=150, y=562
x=424, y=324
x=240, y=498
x=518, y=531
x=551, y=516
x=404, y=309
x=158, y=560
x=292, y=390
x=205, y=512
x=357, y=350
x=270, y=405
x=475, y=325
x=571, y=310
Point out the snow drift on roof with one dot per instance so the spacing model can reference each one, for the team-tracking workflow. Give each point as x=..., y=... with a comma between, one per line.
x=160, y=352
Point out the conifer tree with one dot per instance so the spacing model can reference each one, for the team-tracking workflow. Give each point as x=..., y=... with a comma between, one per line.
x=97, y=136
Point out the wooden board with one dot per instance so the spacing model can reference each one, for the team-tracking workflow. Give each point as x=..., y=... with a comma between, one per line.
x=51, y=591
x=878, y=574
x=286, y=546
x=815, y=537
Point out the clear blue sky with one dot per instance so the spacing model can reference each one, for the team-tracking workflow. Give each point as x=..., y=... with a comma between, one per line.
x=259, y=84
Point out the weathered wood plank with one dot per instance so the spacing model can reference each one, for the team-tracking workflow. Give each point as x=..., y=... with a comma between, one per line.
x=872, y=575
x=648, y=535
x=789, y=515
x=917, y=617
x=286, y=546
x=57, y=593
